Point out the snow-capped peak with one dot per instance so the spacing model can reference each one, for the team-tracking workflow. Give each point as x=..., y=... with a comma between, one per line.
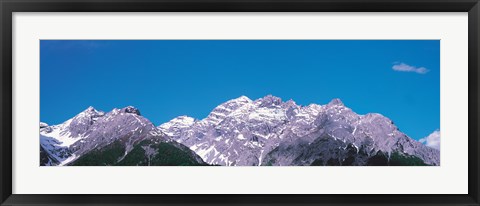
x=241, y=132
x=178, y=122
x=90, y=112
x=242, y=99
x=266, y=131
x=43, y=125
x=90, y=109
x=92, y=128
x=223, y=110
x=269, y=101
x=290, y=103
x=336, y=101
x=130, y=109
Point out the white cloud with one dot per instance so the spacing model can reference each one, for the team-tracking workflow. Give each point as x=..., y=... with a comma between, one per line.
x=432, y=140
x=402, y=67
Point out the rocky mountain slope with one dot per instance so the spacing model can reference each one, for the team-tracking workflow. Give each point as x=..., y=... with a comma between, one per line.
x=119, y=137
x=239, y=132
x=268, y=131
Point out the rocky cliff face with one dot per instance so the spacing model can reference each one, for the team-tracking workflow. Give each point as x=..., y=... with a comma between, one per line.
x=268, y=131
x=239, y=132
x=96, y=138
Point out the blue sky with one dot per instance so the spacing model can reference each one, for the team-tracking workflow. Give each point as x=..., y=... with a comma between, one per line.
x=168, y=78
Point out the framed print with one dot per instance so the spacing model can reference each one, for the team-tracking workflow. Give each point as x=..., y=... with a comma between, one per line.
x=255, y=103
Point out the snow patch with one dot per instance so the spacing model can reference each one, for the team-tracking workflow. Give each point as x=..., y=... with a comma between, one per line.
x=241, y=137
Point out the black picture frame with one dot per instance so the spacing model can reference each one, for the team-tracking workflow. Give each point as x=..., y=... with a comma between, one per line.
x=7, y=7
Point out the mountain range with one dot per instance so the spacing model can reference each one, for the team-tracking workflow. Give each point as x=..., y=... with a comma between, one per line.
x=239, y=132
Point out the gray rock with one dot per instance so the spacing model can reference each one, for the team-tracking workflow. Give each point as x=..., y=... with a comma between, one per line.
x=241, y=132
x=93, y=130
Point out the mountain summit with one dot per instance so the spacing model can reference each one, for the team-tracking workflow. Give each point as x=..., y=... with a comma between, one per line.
x=119, y=137
x=240, y=132
x=268, y=131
